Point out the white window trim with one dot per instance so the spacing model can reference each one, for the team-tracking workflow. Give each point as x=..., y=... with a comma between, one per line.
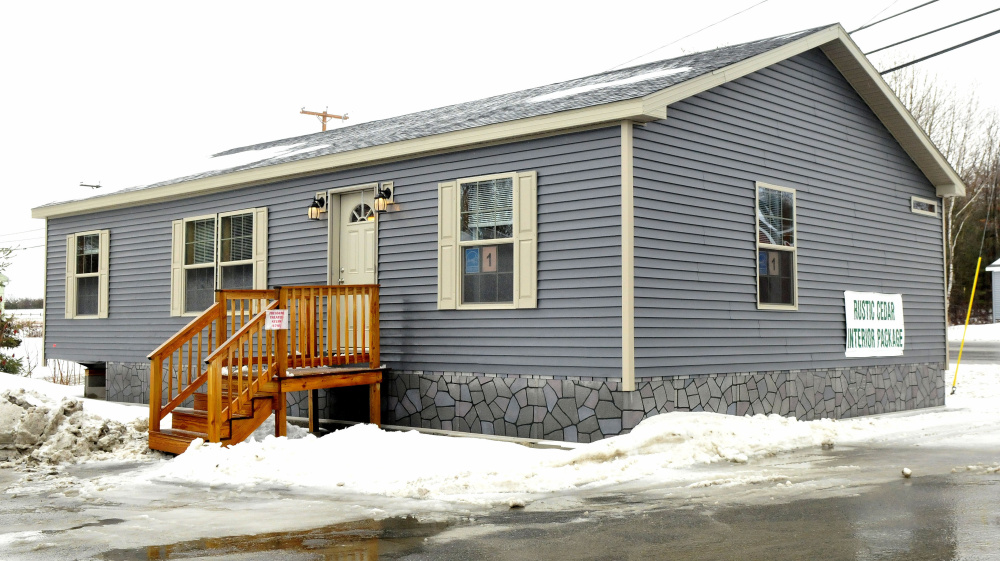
x=913, y=209
x=178, y=286
x=794, y=249
x=524, y=240
x=102, y=274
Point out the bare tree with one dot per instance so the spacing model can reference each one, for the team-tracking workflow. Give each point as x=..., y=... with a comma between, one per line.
x=966, y=133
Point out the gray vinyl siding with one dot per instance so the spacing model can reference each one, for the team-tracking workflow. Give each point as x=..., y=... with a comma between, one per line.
x=796, y=124
x=576, y=329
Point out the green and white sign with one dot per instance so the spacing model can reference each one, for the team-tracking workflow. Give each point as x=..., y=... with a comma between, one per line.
x=874, y=324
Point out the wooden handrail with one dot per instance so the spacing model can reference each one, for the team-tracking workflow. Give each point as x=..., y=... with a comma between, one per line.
x=246, y=294
x=247, y=328
x=182, y=336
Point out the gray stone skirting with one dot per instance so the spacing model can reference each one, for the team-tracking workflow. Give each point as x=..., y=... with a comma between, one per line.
x=584, y=410
x=587, y=409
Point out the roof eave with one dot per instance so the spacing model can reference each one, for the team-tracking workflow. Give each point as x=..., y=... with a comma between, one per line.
x=543, y=125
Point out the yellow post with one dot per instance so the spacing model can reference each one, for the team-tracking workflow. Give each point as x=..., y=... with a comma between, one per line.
x=968, y=314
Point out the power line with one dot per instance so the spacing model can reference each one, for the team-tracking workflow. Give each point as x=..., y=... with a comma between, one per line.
x=882, y=11
x=27, y=239
x=892, y=16
x=688, y=35
x=22, y=232
x=929, y=32
x=921, y=59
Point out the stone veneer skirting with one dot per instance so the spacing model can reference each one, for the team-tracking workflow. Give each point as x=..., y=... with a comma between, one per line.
x=587, y=409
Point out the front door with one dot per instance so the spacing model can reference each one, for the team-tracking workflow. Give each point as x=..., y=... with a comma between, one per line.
x=357, y=238
x=357, y=255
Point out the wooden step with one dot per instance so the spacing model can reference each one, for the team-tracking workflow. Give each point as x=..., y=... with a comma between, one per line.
x=201, y=401
x=194, y=421
x=173, y=441
x=243, y=427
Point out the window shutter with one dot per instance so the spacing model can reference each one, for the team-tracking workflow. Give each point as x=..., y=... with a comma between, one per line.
x=70, y=276
x=260, y=248
x=447, y=245
x=103, y=276
x=177, y=269
x=526, y=249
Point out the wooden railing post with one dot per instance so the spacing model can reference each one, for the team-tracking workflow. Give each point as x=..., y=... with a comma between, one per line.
x=373, y=331
x=281, y=362
x=221, y=331
x=214, y=412
x=155, y=391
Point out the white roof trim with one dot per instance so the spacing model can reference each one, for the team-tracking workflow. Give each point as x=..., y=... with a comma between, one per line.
x=834, y=41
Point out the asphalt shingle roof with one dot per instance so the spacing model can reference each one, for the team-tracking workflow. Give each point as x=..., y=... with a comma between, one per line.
x=598, y=89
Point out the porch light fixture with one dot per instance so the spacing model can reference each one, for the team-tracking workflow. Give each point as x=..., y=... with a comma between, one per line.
x=383, y=196
x=317, y=207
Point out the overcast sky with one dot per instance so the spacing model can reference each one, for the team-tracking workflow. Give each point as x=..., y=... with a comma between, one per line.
x=119, y=93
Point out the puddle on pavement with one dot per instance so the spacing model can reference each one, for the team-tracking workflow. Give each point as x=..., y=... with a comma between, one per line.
x=354, y=541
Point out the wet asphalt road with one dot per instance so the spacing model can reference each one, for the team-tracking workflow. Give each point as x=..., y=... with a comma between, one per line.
x=932, y=518
x=841, y=504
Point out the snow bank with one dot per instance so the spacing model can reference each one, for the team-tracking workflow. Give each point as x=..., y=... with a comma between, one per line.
x=46, y=423
x=410, y=464
x=365, y=459
x=977, y=333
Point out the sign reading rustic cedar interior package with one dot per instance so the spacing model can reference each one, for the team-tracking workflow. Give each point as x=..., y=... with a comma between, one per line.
x=874, y=324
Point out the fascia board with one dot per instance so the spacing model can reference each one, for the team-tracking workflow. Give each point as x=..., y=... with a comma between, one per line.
x=866, y=80
x=863, y=77
x=543, y=125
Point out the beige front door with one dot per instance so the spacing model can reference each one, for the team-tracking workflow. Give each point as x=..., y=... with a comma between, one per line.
x=357, y=238
x=357, y=255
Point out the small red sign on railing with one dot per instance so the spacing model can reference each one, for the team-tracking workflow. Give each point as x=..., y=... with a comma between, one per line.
x=276, y=319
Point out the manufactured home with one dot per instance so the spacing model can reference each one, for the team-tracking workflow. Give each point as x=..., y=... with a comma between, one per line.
x=725, y=231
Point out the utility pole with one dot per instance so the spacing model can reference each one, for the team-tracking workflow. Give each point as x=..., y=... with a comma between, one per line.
x=324, y=116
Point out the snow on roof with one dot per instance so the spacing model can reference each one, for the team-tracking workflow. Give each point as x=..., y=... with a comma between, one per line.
x=591, y=87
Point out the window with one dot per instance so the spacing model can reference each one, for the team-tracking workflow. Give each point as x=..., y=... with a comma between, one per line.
x=487, y=243
x=776, y=259
x=226, y=251
x=924, y=206
x=87, y=274
x=362, y=213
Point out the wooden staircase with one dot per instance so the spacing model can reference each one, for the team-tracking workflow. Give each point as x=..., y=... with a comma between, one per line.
x=189, y=423
x=235, y=372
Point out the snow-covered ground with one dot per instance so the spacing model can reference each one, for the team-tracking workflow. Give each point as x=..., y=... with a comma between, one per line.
x=412, y=465
x=977, y=333
x=30, y=351
x=94, y=467
x=365, y=459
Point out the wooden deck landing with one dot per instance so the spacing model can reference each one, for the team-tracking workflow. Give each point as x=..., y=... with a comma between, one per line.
x=322, y=378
